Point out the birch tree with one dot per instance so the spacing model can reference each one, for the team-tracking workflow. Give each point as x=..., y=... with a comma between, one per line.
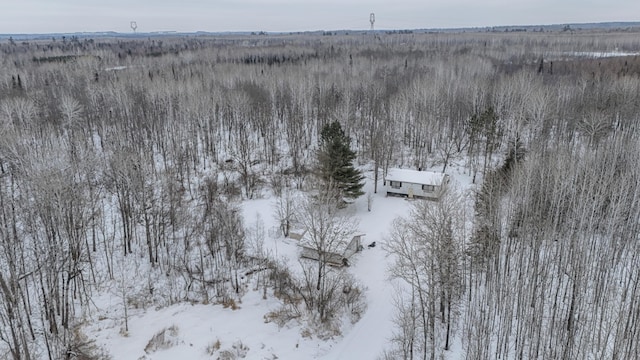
x=428, y=256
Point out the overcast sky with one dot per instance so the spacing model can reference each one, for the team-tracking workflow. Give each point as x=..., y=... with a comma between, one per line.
x=46, y=16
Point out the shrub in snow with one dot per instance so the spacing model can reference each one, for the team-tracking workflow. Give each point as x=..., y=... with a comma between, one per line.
x=164, y=339
x=282, y=315
x=230, y=303
x=238, y=351
x=81, y=347
x=321, y=311
x=213, y=347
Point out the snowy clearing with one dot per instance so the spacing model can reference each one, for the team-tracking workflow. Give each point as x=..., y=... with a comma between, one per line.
x=204, y=331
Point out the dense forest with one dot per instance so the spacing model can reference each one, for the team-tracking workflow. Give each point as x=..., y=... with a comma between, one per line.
x=127, y=158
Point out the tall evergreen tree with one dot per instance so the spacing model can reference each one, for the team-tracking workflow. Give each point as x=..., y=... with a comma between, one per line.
x=515, y=154
x=335, y=159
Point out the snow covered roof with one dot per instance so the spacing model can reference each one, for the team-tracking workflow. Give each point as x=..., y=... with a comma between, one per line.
x=415, y=177
x=339, y=246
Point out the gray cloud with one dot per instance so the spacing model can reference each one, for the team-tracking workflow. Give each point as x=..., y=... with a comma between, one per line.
x=34, y=16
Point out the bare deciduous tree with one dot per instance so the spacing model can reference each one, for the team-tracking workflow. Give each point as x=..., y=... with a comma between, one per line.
x=328, y=232
x=429, y=258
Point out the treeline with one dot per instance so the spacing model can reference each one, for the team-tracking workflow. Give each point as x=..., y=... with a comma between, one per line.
x=128, y=158
x=559, y=244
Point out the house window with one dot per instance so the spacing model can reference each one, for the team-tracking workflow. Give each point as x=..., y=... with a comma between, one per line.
x=395, y=184
x=429, y=188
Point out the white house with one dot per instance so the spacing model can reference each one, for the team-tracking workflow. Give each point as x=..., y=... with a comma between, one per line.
x=413, y=183
x=339, y=256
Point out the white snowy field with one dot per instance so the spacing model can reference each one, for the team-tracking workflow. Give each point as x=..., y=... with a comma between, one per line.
x=198, y=331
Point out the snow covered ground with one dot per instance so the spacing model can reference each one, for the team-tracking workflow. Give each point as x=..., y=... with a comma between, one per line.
x=197, y=331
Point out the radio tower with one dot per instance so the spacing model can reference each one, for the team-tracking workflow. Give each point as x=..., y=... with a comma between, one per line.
x=372, y=19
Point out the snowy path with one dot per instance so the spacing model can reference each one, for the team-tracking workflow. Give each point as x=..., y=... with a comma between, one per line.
x=369, y=336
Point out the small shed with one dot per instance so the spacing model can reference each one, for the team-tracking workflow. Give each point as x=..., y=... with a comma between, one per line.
x=413, y=183
x=297, y=234
x=339, y=256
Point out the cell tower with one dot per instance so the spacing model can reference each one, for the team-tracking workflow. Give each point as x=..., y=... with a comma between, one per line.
x=134, y=26
x=372, y=20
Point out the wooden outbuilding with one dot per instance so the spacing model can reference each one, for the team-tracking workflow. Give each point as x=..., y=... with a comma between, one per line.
x=339, y=256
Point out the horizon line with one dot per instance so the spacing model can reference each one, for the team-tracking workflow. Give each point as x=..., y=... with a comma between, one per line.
x=593, y=25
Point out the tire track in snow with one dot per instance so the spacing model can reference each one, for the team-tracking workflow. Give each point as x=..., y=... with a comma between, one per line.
x=369, y=336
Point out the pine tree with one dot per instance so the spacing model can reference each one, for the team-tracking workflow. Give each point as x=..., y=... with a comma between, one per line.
x=515, y=154
x=335, y=159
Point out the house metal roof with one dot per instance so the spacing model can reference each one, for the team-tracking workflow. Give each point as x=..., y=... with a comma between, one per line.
x=339, y=246
x=415, y=177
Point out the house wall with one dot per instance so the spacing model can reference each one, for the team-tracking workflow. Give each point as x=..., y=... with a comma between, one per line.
x=331, y=258
x=296, y=234
x=354, y=246
x=408, y=188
